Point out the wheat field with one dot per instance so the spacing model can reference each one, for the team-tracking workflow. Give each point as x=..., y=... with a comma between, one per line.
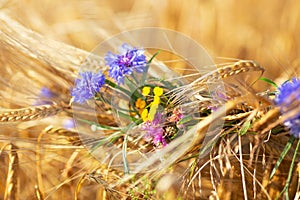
x=43, y=45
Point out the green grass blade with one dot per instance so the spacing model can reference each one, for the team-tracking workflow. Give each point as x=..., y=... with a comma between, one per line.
x=106, y=140
x=269, y=81
x=185, y=120
x=210, y=144
x=291, y=170
x=144, y=77
x=130, y=84
x=126, y=116
x=154, y=55
x=288, y=181
x=113, y=85
x=245, y=128
x=282, y=155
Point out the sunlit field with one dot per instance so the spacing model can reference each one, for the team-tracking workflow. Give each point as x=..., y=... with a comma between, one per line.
x=74, y=127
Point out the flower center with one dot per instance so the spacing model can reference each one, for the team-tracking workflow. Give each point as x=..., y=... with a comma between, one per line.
x=125, y=61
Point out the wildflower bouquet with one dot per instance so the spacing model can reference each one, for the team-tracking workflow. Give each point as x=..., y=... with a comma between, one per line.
x=145, y=115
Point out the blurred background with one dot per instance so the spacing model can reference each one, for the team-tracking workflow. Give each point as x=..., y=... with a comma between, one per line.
x=265, y=31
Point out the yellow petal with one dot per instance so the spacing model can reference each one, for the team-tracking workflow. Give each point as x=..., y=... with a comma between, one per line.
x=145, y=91
x=145, y=115
x=152, y=112
x=142, y=104
x=138, y=103
x=158, y=91
x=156, y=100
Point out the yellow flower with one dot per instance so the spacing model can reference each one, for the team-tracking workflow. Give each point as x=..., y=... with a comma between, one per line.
x=140, y=103
x=145, y=91
x=137, y=103
x=156, y=100
x=145, y=115
x=158, y=91
x=152, y=112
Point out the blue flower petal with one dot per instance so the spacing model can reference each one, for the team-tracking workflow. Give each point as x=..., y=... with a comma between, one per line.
x=286, y=93
x=124, y=63
x=87, y=86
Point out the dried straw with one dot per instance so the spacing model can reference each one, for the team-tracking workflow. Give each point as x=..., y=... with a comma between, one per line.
x=12, y=187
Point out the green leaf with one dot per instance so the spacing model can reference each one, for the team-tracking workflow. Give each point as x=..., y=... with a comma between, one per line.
x=168, y=84
x=126, y=116
x=245, y=127
x=185, y=120
x=189, y=157
x=154, y=55
x=109, y=139
x=131, y=85
x=144, y=77
x=282, y=155
x=210, y=144
x=269, y=81
x=113, y=85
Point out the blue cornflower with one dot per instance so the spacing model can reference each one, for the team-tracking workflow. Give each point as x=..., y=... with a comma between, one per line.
x=128, y=59
x=289, y=94
x=46, y=92
x=45, y=96
x=154, y=130
x=86, y=87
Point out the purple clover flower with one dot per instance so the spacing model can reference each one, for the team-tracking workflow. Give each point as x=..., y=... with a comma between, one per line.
x=290, y=91
x=154, y=130
x=86, y=87
x=122, y=64
x=159, y=139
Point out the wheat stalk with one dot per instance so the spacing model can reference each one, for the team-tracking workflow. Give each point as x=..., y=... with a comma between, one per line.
x=62, y=57
x=30, y=113
x=103, y=176
x=193, y=89
x=38, y=194
x=66, y=59
x=71, y=136
x=237, y=68
x=11, y=190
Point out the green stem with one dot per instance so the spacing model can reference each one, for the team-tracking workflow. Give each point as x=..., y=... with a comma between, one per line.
x=99, y=126
x=113, y=85
x=282, y=155
x=147, y=68
x=109, y=139
x=286, y=187
x=124, y=155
